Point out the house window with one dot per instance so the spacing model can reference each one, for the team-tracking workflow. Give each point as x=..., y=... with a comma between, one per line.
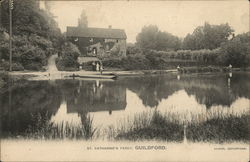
x=117, y=41
x=91, y=40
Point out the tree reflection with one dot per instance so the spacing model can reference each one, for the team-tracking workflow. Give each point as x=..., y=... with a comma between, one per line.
x=208, y=89
x=27, y=100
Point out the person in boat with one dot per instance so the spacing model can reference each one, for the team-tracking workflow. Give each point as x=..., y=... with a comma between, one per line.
x=93, y=66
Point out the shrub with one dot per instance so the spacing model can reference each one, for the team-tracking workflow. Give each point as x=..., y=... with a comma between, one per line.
x=136, y=62
x=236, y=53
x=15, y=66
x=33, y=66
x=68, y=60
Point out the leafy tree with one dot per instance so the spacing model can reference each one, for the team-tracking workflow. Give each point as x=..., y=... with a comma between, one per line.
x=35, y=34
x=83, y=20
x=132, y=49
x=166, y=41
x=152, y=38
x=237, y=51
x=207, y=37
x=147, y=37
x=70, y=53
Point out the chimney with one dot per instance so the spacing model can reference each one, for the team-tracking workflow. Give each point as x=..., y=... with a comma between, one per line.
x=110, y=26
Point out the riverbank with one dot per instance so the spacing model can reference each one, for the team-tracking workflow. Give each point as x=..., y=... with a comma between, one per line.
x=52, y=75
x=65, y=74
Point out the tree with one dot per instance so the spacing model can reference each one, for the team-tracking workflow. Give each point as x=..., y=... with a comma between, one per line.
x=147, y=37
x=35, y=34
x=83, y=20
x=151, y=37
x=207, y=37
x=236, y=51
x=167, y=42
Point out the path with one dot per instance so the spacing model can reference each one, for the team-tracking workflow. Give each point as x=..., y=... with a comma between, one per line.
x=52, y=64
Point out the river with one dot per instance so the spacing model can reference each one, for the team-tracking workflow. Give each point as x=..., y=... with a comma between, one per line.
x=177, y=107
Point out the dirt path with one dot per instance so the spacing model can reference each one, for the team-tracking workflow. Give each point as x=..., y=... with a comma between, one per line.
x=52, y=64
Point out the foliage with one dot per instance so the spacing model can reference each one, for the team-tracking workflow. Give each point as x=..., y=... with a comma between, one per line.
x=35, y=34
x=15, y=66
x=152, y=59
x=237, y=51
x=68, y=59
x=133, y=62
x=29, y=19
x=221, y=129
x=152, y=126
x=151, y=37
x=30, y=52
x=133, y=49
x=207, y=37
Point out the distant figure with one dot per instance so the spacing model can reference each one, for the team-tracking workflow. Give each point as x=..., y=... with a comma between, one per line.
x=230, y=67
x=101, y=68
x=178, y=77
x=97, y=67
x=178, y=67
x=93, y=66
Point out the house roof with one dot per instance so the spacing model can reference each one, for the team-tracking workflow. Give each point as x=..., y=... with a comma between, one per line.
x=96, y=33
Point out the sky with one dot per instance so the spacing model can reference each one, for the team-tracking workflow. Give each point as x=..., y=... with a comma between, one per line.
x=176, y=17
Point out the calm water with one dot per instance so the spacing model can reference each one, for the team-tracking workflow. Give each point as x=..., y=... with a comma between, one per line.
x=65, y=104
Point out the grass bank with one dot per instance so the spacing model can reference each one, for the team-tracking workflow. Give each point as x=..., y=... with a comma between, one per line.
x=152, y=126
x=221, y=129
x=216, y=128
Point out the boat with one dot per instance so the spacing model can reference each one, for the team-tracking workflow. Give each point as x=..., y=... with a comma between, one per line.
x=95, y=76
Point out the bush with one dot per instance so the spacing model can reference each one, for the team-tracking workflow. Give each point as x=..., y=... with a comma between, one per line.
x=15, y=66
x=137, y=62
x=30, y=53
x=68, y=60
x=236, y=53
x=33, y=66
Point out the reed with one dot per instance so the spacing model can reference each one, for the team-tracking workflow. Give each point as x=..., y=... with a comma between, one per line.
x=44, y=129
x=151, y=125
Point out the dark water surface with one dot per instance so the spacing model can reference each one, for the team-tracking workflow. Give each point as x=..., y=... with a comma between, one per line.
x=35, y=108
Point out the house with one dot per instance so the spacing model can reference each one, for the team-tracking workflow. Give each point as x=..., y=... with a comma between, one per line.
x=98, y=42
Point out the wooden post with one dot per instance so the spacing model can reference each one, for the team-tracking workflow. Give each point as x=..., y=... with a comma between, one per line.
x=10, y=37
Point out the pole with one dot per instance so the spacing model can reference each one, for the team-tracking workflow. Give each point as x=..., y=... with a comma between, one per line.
x=10, y=37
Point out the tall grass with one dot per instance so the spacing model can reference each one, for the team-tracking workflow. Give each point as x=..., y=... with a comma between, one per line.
x=220, y=129
x=151, y=126
x=44, y=129
x=212, y=126
x=216, y=126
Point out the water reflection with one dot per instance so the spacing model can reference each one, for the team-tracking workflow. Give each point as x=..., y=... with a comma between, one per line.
x=111, y=103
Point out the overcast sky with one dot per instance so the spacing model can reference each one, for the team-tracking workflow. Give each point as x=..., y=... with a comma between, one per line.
x=176, y=17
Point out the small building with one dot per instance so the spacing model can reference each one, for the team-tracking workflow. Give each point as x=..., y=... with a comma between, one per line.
x=98, y=42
